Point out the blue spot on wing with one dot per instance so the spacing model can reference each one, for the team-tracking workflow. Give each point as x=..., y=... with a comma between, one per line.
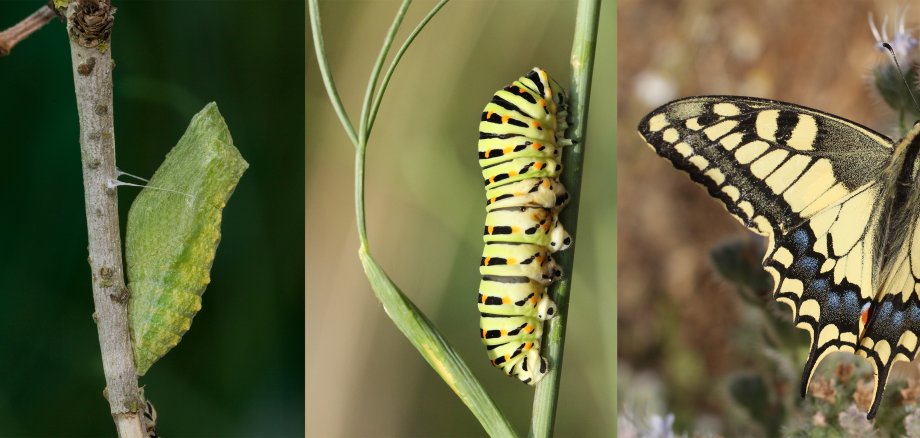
x=801, y=242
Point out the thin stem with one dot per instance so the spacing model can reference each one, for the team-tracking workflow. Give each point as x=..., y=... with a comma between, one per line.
x=547, y=393
x=89, y=25
x=320, y=48
x=408, y=318
x=386, y=77
x=360, y=217
x=375, y=73
x=20, y=31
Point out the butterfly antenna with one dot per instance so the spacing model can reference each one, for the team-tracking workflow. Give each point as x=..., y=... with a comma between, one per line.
x=903, y=78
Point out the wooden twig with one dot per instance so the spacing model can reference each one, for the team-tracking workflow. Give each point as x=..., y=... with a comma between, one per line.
x=89, y=24
x=20, y=31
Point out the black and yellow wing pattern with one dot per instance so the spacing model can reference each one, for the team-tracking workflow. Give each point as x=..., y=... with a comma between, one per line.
x=835, y=201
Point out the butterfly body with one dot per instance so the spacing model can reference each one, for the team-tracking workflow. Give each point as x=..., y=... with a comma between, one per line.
x=838, y=202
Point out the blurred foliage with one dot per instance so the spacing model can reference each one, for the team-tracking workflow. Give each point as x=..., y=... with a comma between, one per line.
x=425, y=213
x=239, y=371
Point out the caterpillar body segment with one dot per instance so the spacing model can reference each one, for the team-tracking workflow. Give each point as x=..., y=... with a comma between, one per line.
x=509, y=260
x=521, y=135
x=533, y=192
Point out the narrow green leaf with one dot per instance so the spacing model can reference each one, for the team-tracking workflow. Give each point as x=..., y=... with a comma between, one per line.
x=435, y=349
x=173, y=232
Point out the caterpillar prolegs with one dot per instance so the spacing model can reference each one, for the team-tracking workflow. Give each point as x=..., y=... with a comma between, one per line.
x=521, y=134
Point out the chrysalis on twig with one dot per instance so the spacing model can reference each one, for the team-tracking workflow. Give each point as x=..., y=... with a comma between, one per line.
x=172, y=235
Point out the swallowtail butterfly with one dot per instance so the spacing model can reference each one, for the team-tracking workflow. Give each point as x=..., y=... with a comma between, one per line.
x=172, y=235
x=838, y=204
x=521, y=134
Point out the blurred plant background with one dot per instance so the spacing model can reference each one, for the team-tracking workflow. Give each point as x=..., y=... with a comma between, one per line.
x=239, y=370
x=703, y=347
x=425, y=212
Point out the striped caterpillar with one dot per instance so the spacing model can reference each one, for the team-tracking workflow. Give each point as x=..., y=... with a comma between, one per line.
x=521, y=133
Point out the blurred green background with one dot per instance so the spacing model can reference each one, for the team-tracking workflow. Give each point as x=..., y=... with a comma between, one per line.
x=425, y=212
x=684, y=331
x=239, y=371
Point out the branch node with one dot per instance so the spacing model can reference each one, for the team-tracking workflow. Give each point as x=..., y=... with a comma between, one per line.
x=91, y=23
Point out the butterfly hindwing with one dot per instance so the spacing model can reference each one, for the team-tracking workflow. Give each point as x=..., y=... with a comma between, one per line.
x=823, y=270
x=894, y=318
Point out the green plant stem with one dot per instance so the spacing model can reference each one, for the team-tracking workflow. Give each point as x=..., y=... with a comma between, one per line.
x=547, y=393
x=324, y=71
x=364, y=131
x=405, y=315
x=360, y=217
x=399, y=53
x=435, y=349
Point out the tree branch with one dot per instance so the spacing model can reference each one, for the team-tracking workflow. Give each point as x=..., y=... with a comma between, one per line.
x=89, y=24
x=20, y=31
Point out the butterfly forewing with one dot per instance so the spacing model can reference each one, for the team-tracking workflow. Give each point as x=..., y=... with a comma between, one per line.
x=814, y=184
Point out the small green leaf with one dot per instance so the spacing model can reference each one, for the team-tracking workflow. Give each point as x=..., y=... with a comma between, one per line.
x=173, y=232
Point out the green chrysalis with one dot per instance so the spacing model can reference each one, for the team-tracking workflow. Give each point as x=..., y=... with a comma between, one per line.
x=173, y=232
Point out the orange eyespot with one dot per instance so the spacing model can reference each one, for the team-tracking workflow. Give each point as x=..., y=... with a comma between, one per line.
x=491, y=229
x=505, y=119
x=512, y=261
x=538, y=165
x=536, y=146
x=506, y=300
x=507, y=150
x=535, y=124
x=489, y=115
x=486, y=261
